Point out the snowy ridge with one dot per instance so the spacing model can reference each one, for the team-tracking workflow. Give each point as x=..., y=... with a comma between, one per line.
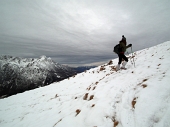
x=99, y=97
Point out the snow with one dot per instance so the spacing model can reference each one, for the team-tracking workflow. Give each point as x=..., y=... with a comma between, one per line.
x=136, y=97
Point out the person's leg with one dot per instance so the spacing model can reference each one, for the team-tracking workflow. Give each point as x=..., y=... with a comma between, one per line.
x=120, y=60
x=125, y=62
x=125, y=58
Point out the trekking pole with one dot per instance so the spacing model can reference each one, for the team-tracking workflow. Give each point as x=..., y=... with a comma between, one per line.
x=130, y=58
x=133, y=56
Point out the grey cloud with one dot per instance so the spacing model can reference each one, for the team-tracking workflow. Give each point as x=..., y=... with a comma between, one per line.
x=80, y=32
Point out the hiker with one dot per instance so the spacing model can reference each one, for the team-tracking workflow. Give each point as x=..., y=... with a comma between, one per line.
x=122, y=50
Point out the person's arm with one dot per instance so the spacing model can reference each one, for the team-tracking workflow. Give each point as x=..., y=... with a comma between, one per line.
x=128, y=46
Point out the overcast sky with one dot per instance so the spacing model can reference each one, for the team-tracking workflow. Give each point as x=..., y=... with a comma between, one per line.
x=80, y=32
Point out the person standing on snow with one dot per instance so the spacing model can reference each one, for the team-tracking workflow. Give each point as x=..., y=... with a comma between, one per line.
x=122, y=50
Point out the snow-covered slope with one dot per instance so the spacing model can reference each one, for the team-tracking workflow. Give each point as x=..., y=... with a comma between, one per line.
x=100, y=97
x=21, y=74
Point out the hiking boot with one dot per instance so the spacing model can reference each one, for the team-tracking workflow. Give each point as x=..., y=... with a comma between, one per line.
x=123, y=65
x=117, y=67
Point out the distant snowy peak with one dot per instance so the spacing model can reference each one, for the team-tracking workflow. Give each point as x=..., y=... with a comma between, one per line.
x=19, y=74
x=42, y=62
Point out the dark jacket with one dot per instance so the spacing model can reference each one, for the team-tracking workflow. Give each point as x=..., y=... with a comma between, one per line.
x=123, y=47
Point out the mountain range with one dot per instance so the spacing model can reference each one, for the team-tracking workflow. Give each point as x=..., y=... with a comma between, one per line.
x=21, y=74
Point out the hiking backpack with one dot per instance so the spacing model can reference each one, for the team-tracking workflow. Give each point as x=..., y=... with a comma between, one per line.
x=117, y=49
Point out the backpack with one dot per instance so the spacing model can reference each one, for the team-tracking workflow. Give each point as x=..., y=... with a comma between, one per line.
x=117, y=49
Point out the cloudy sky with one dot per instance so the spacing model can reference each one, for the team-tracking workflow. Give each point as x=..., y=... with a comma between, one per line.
x=80, y=32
